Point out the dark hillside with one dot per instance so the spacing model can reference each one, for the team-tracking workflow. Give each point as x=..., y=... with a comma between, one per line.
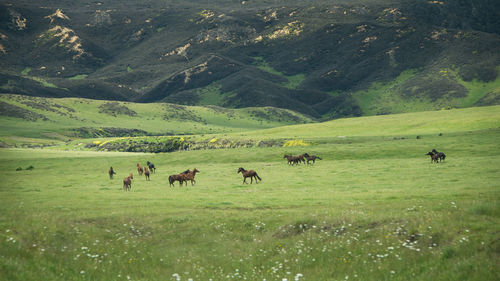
x=324, y=58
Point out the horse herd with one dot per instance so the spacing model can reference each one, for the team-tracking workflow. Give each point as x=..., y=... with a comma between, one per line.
x=436, y=156
x=189, y=175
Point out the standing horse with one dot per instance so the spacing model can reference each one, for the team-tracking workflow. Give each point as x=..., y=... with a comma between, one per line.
x=139, y=169
x=189, y=176
x=434, y=156
x=250, y=173
x=440, y=155
x=152, y=167
x=111, y=172
x=127, y=182
x=146, y=173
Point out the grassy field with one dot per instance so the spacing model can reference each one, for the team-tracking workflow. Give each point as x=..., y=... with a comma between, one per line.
x=374, y=207
x=26, y=119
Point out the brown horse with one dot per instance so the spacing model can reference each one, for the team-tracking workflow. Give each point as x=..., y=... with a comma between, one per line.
x=146, y=173
x=311, y=158
x=178, y=177
x=111, y=172
x=434, y=156
x=440, y=155
x=189, y=176
x=127, y=182
x=139, y=169
x=292, y=160
x=249, y=174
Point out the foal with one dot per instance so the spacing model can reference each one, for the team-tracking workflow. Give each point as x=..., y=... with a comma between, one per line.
x=127, y=182
x=146, y=173
x=250, y=173
x=139, y=169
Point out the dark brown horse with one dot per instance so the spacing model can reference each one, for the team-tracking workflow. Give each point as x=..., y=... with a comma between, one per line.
x=111, y=172
x=189, y=176
x=139, y=169
x=127, y=182
x=434, y=156
x=146, y=173
x=292, y=160
x=177, y=177
x=440, y=155
x=152, y=167
x=249, y=174
x=311, y=158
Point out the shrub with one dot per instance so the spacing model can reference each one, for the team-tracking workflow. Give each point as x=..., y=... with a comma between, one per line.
x=295, y=143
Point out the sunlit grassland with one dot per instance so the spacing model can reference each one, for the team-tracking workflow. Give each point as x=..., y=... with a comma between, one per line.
x=374, y=208
x=154, y=118
x=380, y=97
x=429, y=122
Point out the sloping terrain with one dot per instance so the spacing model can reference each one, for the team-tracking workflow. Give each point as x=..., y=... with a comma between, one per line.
x=23, y=118
x=326, y=59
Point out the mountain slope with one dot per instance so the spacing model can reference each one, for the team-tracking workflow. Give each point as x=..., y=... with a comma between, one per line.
x=315, y=57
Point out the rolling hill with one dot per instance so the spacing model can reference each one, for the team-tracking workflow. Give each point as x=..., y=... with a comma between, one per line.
x=322, y=58
x=28, y=120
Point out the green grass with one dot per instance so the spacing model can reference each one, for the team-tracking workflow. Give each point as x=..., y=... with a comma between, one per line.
x=43, y=82
x=78, y=77
x=478, y=89
x=155, y=118
x=26, y=71
x=212, y=95
x=406, y=124
x=374, y=208
x=382, y=94
x=382, y=98
x=293, y=81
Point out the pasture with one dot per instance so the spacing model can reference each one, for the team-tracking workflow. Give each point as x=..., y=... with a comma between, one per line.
x=374, y=208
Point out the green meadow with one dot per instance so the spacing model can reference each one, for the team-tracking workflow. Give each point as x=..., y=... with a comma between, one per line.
x=374, y=207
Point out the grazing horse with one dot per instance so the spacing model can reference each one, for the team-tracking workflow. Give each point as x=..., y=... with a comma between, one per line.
x=311, y=157
x=440, y=155
x=152, y=167
x=111, y=172
x=146, y=173
x=127, y=182
x=250, y=173
x=434, y=156
x=139, y=169
x=178, y=177
x=189, y=176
